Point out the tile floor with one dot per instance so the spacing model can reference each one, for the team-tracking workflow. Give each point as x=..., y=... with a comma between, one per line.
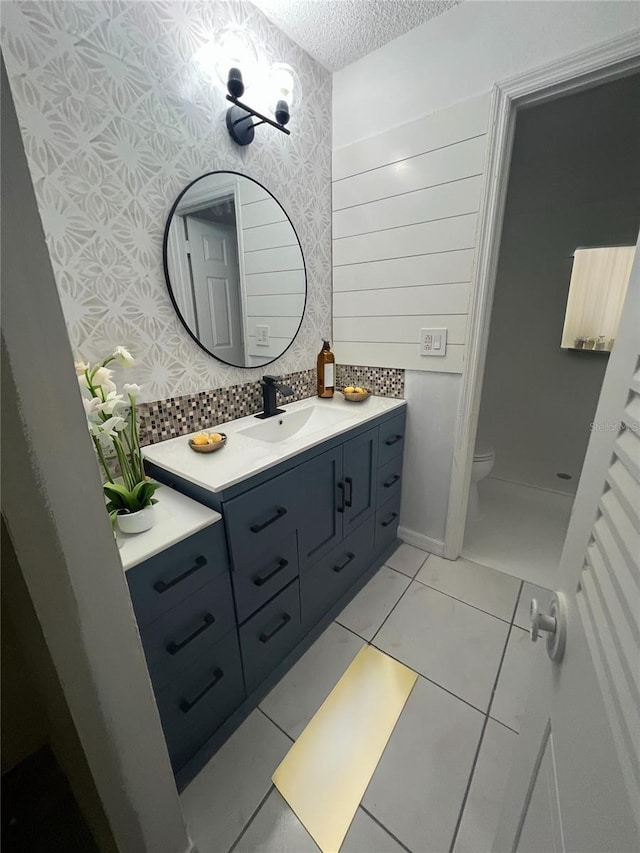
x=439, y=784
x=520, y=530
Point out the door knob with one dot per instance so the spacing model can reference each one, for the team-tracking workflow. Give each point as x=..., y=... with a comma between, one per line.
x=554, y=624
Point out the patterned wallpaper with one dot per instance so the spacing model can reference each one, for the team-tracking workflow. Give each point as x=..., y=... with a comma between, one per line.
x=117, y=117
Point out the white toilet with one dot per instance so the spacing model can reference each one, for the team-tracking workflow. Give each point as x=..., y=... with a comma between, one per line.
x=484, y=458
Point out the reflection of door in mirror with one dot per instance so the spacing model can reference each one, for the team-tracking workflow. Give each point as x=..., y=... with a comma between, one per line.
x=216, y=286
x=207, y=244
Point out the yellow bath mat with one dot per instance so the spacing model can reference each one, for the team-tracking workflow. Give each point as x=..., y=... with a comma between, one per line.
x=326, y=772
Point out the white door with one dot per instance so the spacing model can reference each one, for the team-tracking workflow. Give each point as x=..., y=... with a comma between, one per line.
x=216, y=287
x=575, y=778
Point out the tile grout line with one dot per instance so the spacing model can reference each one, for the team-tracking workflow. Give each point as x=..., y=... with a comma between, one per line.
x=264, y=713
x=251, y=819
x=484, y=726
x=431, y=681
x=411, y=579
x=462, y=601
x=382, y=826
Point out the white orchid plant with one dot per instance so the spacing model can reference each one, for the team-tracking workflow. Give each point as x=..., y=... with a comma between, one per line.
x=111, y=417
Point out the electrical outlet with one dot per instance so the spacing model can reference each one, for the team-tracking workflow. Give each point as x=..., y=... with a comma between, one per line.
x=262, y=336
x=433, y=342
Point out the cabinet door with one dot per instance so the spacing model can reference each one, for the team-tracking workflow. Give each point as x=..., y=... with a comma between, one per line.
x=358, y=468
x=321, y=504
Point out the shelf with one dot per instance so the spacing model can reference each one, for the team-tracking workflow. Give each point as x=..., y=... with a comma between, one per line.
x=596, y=351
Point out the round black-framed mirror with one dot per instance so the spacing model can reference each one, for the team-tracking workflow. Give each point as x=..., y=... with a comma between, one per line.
x=235, y=269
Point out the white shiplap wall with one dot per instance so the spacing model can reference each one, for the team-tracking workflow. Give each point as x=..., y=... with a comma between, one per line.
x=274, y=277
x=405, y=215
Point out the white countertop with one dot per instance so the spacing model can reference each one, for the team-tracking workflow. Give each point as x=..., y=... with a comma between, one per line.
x=177, y=517
x=243, y=457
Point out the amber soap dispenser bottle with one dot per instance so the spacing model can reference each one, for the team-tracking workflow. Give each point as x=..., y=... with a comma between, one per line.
x=326, y=371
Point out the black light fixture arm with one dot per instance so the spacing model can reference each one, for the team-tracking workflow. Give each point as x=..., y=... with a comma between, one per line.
x=254, y=113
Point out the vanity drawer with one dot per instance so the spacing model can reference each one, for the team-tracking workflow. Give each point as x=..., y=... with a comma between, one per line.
x=322, y=584
x=180, y=636
x=260, y=518
x=198, y=702
x=388, y=481
x=391, y=439
x=387, y=518
x=158, y=584
x=269, y=636
x=255, y=583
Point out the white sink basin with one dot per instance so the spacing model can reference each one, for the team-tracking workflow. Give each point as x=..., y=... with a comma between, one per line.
x=299, y=422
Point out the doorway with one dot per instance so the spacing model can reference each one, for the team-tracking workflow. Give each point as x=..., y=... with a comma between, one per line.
x=574, y=182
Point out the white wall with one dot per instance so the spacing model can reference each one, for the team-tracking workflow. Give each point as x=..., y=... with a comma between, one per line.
x=405, y=213
x=574, y=181
x=462, y=53
x=453, y=58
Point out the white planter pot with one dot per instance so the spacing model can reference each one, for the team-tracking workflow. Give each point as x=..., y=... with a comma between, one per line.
x=137, y=522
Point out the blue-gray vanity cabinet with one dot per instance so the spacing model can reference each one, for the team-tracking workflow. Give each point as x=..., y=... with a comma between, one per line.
x=184, y=607
x=391, y=439
x=336, y=494
x=259, y=518
x=359, y=464
x=200, y=699
x=254, y=583
x=182, y=634
x=389, y=481
x=270, y=634
x=320, y=503
x=326, y=581
x=159, y=583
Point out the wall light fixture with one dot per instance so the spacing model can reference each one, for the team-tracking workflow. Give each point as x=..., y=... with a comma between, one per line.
x=240, y=116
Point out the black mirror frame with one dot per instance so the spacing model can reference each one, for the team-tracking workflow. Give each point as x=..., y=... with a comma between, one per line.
x=165, y=266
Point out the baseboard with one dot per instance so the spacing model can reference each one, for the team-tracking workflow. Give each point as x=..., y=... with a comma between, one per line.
x=433, y=546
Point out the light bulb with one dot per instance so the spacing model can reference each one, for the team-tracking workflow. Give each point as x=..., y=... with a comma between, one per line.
x=233, y=48
x=282, y=82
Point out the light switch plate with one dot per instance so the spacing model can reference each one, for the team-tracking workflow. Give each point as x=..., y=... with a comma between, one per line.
x=262, y=336
x=433, y=342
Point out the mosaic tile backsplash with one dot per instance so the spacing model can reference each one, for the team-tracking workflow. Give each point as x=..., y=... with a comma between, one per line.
x=381, y=381
x=164, y=419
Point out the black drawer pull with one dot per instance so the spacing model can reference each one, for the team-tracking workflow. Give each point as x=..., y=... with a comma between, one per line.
x=258, y=528
x=393, y=439
x=188, y=703
x=393, y=479
x=391, y=518
x=342, y=491
x=344, y=564
x=174, y=646
x=349, y=500
x=284, y=619
x=261, y=580
x=164, y=585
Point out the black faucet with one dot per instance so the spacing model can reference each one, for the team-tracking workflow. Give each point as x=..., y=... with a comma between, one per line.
x=271, y=384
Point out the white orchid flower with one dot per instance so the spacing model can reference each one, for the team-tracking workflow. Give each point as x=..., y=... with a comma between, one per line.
x=92, y=406
x=101, y=376
x=131, y=388
x=124, y=356
x=111, y=426
x=113, y=402
x=81, y=367
x=109, y=387
x=82, y=380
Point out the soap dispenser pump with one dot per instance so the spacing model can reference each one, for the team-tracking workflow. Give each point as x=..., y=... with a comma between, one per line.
x=326, y=371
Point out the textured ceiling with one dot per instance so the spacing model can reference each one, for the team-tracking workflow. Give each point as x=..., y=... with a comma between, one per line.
x=337, y=32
